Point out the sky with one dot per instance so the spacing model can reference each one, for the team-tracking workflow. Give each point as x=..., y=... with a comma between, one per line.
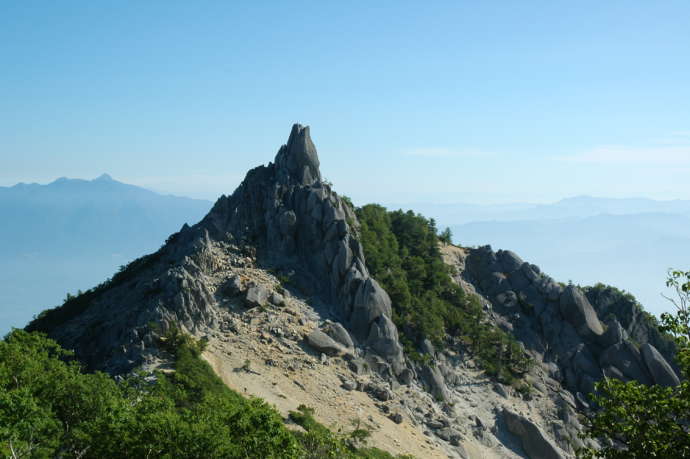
x=481, y=102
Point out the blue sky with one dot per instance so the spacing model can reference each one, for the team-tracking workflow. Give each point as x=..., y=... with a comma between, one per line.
x=408, y=101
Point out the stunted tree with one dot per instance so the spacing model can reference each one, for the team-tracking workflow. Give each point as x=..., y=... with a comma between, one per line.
x=446, y=236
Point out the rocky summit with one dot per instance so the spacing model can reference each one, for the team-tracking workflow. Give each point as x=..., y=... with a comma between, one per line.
x=275, y=278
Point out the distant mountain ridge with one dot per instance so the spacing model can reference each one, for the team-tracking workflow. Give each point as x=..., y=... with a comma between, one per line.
x=576, y=206
x=115, y=215
x=71, y=233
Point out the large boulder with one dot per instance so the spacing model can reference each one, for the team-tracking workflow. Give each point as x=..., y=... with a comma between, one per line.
x=627, y=359
x=257, y=295
x=324, y=343
x=577, y=310
x=658, y=367
x=509, y=261
x=336, y=331
x=370, y=302
x=614, y=334
x=436, y=384
x=535, y=443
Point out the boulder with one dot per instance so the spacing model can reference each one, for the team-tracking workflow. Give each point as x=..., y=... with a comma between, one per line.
x=508, y=299
x=370, y=302
x=626, y=359
x=396, y=417
x=584, y=362
x=577, y=310
x=277, y=299
x=509, y=260
x=321, y=342
x=234, y=286
x=379, y=392
x=658, y=367
x=383, y=339
x=435, y=383
x=450, y=435
x=535, y=443
x=614, y=334
x=336, y=331
x=257, y=295
x=531, y=272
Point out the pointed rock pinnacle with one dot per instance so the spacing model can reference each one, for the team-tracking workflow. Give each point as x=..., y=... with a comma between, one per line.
x=298, y=159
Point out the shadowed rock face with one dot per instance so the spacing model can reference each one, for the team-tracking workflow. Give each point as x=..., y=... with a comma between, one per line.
x=658, y=367
x=577, y=310
x=535, y=443
x=298, y=159
x=297, y=222
x=291, y=219
x=560, y=324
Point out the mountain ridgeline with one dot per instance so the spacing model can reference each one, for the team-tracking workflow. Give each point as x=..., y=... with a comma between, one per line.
x=284, y=212
x=472, y=348
x=72, y=233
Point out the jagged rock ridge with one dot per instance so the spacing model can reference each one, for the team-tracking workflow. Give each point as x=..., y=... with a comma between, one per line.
x=560, y=325
x=285, y=214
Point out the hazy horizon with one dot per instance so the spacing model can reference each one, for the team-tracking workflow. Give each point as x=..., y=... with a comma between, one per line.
x=95, y=225
x=389, y=203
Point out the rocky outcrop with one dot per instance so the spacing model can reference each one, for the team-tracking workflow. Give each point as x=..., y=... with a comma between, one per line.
x=610, y=302
x=658, y=367
x=282, y=217
x=559, y=325
x=339, y=334
x=627, y=359
x=576, y=309
x=298, y=224
x=435, y=383
x=535, y=443
x=321, y=342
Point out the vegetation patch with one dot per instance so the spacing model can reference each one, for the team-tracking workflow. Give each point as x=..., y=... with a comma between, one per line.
x=401, y=250
x=50, y=408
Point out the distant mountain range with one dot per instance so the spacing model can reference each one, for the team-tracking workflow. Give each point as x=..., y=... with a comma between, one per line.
x=70, y=234
x=575, y=207
x=629, y=243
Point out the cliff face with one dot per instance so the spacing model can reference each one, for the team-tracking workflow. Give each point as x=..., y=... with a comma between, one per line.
x=284, y=215
x=561, y=326
x=296, y=222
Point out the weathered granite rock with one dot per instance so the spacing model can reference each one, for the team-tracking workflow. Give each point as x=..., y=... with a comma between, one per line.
x=610, y=301
x=614, y=334
x=535, y=443
x=435, y=383
x=299, y=158
x=509, y=260
x=257, y=295
x=658, y=367
x=576, y=309
x=298, y=223
x=324, y=343
x=626, y=358
x=396, y=417
x=450, y=435
x=336, y=331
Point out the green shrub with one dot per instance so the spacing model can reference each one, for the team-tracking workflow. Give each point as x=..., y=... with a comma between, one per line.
x=50, y=408
x=319, y=442
x=401, y=250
